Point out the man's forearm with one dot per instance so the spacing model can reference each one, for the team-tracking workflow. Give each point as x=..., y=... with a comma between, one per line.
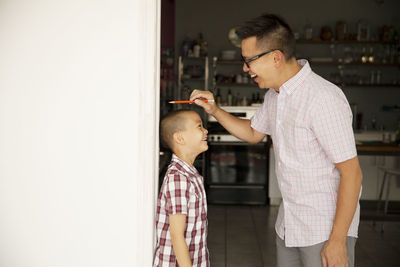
x=238, y=127
x=349, y=191
x=334, y=252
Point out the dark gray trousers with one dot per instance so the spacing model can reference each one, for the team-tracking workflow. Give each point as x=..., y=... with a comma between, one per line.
x=307, y=256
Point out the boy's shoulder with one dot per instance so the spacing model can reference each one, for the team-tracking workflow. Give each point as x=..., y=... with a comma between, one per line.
x=175, y=177
x=175, y=168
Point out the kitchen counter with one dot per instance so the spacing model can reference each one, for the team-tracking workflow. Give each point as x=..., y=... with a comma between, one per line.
x=376, y=149
x=379, y=149
x=371, y=156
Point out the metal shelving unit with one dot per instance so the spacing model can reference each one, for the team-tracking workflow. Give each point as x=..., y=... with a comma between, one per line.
x=189, y=81
x=185, y=84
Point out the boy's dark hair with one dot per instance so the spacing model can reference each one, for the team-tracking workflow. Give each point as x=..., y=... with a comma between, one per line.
x=170, y=124
x=272, y=32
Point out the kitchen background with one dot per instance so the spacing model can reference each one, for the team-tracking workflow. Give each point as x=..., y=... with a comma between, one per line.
x=373, y=88
x=352, y=43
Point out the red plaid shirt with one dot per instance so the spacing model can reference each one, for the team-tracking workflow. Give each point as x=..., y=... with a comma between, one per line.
x=182, y=192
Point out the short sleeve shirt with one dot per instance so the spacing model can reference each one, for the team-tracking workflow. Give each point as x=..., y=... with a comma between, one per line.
x=182, y=192
x=310, y=123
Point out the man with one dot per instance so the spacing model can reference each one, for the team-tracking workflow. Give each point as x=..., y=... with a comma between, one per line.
x=309, y=121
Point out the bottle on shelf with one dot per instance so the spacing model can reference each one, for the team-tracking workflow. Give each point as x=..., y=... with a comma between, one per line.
x=253, y=99
x=196, y=50
x=203, y=45
x=373, y=123
x=230, y=100
x=186, y=45
x=308, y=31
x=386, y=54
x=237, y=100
x=341, y=30
x=364, y=57
x=245, y=101
x=185, y=92
x=378, y=77
x=372, y=78
x=218, y=97
x=398, y=134
x=238, y=78
x=371, y=55
x=245, y=79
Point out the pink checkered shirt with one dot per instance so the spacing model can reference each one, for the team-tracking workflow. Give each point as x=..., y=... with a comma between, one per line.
x=310, y=123
x=182, y=192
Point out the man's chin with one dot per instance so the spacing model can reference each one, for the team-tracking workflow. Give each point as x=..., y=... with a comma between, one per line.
x=261, y=85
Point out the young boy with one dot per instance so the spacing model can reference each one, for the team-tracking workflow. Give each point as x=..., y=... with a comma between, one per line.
x=181, y=220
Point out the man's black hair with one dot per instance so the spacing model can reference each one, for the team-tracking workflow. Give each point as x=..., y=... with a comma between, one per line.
x=272, y=32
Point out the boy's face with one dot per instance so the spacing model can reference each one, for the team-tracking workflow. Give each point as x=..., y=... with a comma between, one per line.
x=195, y=135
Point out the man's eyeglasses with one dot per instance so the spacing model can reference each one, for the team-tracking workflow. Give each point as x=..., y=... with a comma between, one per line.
x=247, y=61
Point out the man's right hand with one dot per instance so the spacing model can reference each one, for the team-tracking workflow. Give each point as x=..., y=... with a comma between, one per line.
x=211, y=107
x=241, y=128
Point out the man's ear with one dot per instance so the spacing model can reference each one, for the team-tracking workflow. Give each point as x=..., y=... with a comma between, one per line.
x=278, y=58
x=178, y=138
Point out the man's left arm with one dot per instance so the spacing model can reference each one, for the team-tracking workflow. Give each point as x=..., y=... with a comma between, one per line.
x=334, y=252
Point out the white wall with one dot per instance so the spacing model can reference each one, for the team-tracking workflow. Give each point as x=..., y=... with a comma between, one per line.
x=78, y=132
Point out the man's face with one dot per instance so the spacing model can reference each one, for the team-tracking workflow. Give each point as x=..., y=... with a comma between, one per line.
x=261, y=70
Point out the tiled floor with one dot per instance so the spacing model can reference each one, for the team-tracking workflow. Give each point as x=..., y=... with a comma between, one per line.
x=244, y=236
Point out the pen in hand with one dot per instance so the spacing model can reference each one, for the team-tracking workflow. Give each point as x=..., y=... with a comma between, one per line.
x=190, y=101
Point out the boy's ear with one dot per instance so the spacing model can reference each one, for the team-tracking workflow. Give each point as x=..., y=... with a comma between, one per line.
x=178, y=138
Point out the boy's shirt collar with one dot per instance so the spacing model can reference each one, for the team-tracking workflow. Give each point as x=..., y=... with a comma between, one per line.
x=184, y=165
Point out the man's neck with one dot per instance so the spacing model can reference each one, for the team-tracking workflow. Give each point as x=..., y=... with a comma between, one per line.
x=289, y=70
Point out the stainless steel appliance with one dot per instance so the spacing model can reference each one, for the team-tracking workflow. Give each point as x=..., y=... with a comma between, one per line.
x=236, y=172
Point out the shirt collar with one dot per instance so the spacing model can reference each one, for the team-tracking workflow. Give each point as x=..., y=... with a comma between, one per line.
x=293, y=83
x=184, y=165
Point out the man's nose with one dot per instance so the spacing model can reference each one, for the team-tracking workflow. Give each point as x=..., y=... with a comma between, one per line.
x=245, y=68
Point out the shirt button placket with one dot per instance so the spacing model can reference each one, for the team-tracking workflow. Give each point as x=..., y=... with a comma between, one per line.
x=279, y=112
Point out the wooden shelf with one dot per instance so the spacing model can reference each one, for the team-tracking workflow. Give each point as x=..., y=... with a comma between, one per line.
x=237, y=84
x=193, y=79
x=367, y=85
x=338, y=84
x=329, y=63
x=303, y=41
x=193, y=58
x=382, y=149
x=228, y=62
